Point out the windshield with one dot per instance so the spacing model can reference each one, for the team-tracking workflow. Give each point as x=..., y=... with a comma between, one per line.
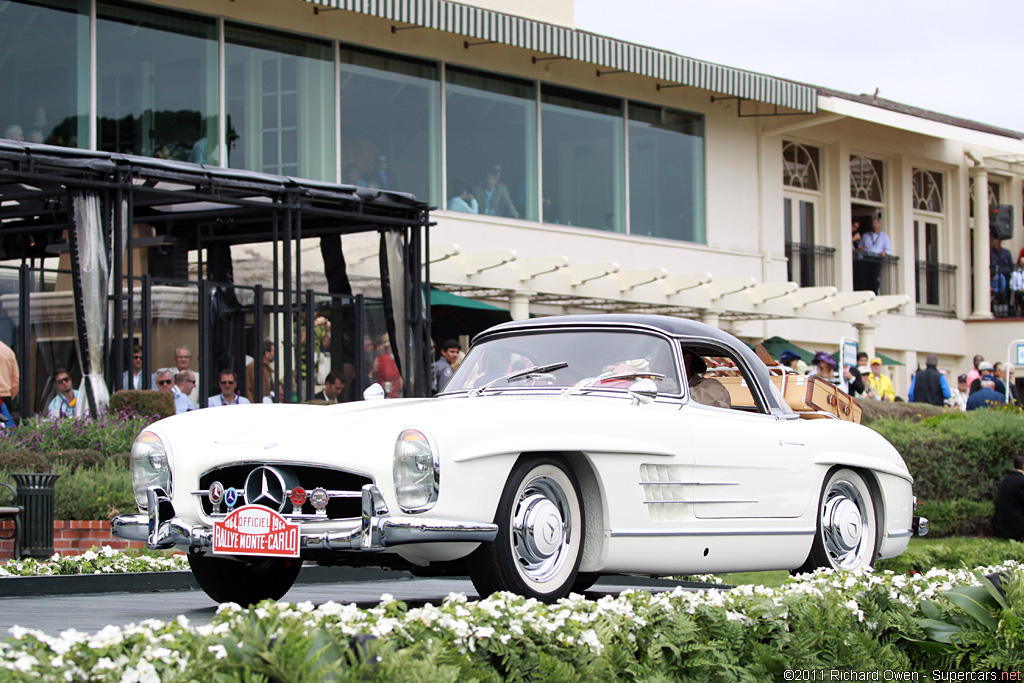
x=587, y=353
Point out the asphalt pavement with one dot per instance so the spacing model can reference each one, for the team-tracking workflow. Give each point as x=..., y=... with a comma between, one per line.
x=89, y=603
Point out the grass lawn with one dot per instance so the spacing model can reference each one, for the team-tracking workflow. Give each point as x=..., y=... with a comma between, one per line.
x=922, y=554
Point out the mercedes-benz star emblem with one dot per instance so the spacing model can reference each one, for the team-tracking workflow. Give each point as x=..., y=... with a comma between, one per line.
x=265, y=486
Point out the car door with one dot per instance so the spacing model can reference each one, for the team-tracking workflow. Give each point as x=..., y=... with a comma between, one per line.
x=748, y=463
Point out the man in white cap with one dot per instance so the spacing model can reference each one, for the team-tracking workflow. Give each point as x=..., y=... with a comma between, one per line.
x=986, y=368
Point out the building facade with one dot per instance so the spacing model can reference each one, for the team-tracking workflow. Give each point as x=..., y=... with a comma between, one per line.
x=570, y=172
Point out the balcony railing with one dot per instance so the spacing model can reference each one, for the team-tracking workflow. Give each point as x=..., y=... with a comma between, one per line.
x=936, y=289
x=876, y=272
x=811, y=265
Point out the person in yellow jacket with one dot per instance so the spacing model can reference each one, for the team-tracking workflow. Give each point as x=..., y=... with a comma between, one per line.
x=879, y=382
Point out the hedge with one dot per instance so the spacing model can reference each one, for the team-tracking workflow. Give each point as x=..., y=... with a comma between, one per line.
x=957, y=455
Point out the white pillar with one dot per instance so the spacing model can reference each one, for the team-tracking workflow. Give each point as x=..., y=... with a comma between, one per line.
x=866, y=338
x=519, y=305
x=982, y=281
x=710, y=316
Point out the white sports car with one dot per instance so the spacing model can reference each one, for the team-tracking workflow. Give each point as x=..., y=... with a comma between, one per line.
x=562, y=449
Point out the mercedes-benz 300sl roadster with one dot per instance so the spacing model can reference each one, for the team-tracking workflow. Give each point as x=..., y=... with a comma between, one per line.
x=561, y=449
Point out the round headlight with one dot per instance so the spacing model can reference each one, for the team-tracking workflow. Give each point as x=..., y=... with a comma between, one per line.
x=416, y=471
x=150, y=466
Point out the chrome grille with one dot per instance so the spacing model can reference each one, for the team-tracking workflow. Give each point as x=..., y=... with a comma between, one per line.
x=310, y=477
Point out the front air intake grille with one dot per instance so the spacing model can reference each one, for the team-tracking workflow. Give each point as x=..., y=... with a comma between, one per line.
x=310, y=477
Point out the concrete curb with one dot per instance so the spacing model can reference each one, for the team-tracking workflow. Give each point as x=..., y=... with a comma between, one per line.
x=147, y=582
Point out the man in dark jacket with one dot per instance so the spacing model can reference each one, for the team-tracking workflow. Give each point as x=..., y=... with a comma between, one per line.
x=1008, y=520
x=929, y=385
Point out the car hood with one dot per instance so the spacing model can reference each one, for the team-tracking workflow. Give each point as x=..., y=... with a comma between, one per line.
x=361, y=435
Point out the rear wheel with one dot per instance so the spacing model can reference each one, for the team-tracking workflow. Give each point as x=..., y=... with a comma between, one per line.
x=847, y=530
x=539, y=544
x=246, y=580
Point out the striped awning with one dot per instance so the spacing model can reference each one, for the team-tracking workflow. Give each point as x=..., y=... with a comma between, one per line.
x=559, y=41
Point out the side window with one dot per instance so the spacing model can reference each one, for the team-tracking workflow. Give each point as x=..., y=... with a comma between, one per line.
x=718, y=378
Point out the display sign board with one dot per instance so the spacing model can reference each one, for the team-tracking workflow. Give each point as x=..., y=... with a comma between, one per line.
x=255, y=530
x=848, y=352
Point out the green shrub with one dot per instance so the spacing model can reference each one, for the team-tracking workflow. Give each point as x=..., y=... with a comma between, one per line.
x=22, y=460
x=957, y=517
x=78, y=458
x=957, y=455
x=112, y=432
x=97, y=493
x=159, y=403
x=924, y=554
x=915, y=412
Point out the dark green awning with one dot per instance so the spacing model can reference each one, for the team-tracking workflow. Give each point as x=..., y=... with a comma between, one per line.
x=776, y=345
x=453, y=315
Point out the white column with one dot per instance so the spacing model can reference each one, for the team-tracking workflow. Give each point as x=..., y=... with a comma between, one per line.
x=519, y=305
x=982, y=281
x=866, y=338
x=710, y=316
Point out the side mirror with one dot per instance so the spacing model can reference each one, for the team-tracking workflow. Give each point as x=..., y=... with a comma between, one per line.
x=374, y=392
x=643, y=391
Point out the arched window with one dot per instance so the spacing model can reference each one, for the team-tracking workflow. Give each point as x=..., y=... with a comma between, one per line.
x=927, y=190
x=866, y=179
x=800, y=166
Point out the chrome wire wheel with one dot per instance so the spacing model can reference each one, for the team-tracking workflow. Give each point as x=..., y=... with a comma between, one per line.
x=843, y=525
x=539, y=545
x=847, y=524
x=541, y=529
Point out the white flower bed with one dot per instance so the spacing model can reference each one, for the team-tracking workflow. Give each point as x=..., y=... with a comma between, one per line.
x=105, y=560
x=576, y=627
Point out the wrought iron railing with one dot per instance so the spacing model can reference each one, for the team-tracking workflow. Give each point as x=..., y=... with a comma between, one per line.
x=936, y=289
x=876, y=272
x=811, y=265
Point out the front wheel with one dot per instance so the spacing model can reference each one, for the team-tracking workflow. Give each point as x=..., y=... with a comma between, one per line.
x=245, y=581
x=847, y=529
x=539, y=544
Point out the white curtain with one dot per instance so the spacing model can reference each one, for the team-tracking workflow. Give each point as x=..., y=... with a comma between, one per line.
x=394, y=240
x=94, y=271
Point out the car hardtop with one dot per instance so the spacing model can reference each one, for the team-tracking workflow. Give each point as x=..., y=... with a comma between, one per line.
x=691, y=333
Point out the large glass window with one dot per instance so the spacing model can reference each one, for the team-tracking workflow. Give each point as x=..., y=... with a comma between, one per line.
x=666, y=173
x=157, y=89
x=583, y=159
x=390, y=123
x=280, y=103
x=44, y=58
x=491, y=139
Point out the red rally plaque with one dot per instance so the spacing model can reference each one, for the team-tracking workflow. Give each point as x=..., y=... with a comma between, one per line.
x=255, y=530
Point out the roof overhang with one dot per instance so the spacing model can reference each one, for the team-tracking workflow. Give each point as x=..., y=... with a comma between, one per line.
x=989, y=144
x=608, y=287
x=560, y=41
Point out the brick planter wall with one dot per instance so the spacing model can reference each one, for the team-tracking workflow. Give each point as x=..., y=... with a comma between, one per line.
x=71, y=537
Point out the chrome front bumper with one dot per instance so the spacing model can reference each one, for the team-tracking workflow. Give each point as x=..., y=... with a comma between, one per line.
x=160, y=528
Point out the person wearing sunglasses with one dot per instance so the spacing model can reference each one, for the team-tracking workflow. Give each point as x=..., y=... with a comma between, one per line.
x=164, y=381
x=63, y=404
x=183, y=383
x=132, y=379
x=228, y=396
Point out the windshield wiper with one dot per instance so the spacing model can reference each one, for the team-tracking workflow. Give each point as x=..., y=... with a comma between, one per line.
x=590, y=381
x=535, y=372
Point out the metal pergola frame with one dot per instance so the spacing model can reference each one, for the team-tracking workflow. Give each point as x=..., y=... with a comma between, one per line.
x=196, y=207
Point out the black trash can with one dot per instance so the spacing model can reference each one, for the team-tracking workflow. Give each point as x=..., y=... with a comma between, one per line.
x=35, y=496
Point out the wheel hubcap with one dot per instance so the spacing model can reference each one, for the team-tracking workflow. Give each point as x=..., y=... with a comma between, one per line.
x=843, y=523
x=540, y=528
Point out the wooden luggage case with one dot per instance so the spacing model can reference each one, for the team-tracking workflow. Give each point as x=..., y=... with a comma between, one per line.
x=808, y=393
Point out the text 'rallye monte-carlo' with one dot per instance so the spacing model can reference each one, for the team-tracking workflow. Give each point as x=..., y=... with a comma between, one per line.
x=561, y=449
